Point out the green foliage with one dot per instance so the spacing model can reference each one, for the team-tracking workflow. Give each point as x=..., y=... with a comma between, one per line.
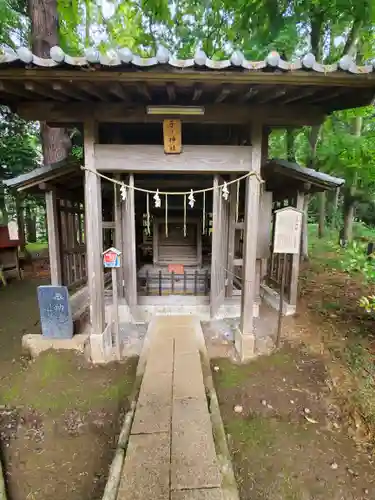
x=19, y=145
x=13, y=22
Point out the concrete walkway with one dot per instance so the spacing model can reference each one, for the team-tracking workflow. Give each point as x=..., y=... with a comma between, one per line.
x=171, y=453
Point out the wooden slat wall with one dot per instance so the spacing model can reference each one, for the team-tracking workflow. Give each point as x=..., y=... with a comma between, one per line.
x=72, y=245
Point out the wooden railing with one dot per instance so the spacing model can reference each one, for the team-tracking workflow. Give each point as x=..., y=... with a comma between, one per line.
x=169, y=283
x=73, y=247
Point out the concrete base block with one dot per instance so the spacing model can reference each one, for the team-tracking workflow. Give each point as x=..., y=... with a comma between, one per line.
x=272, y=298
x=145, y=312
x=245, y=345
x=101, y=347
x=36, y=344
x=264, y=345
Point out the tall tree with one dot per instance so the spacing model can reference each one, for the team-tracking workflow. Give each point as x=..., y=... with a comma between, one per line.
x=44, y=35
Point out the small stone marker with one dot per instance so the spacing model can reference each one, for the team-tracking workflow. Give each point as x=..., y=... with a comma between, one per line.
x=55, y=312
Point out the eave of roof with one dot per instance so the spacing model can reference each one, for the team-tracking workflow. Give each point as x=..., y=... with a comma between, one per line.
x=121, y=77
x=124, y=58
x=304, y=174
x=41, y=174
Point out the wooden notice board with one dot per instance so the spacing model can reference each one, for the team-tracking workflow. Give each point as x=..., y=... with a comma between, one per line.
x=288, y=227
x=172, y=136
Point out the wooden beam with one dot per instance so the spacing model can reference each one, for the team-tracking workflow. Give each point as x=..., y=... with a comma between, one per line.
x=53, y=238
x=298, y=95
x=108, y=224
x=151, y=158
x=68, y=91
x=117, y=90
x=36, y=88
x=327, y=96
x=311, y=78
x=252, y=92
x=265, y=143
x=245, y=343
x=12, y=89
x=197, y=92
x=48, y=177
x=94, y=233
x=171, y=91
x=74, y=113
x=272, y=95
x=143, y=90
x=93, y=90
x=223, y=94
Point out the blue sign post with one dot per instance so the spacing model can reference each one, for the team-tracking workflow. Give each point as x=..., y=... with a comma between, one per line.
x=55, y=312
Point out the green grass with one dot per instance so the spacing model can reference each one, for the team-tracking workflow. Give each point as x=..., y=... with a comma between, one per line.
x=55, y=382
x=231, y=376
x=36, y=247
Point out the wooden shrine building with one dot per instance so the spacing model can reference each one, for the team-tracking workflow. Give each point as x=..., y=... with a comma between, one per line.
x=176, y=136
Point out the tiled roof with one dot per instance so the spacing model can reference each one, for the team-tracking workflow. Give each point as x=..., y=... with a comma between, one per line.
x=291, y=169
x=124, y=58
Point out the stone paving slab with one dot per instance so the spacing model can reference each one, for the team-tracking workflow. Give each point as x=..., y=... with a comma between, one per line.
x=188, y=378
x=171, y=453
x=193, y=455
x=161, y=360
x=145, y=475
x=201, y=494
x=154, y=407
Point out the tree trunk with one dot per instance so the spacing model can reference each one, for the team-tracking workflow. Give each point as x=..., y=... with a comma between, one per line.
x=316, y=39
x=351, y=44
x=322, y=214
x=3, y=208
x=349, y=210
x=30, y=225
x=350, y=193
x=313, y=142
x=290, y=150
x=44, y=35
x=336, y=200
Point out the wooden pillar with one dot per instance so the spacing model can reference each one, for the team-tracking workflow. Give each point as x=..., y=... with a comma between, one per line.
x=94, y=233
x=53, y=238
x=245, y=341
x=131, y=236
x=296, y=258
x=231, y=236
x=118, y=233
x=265, y=143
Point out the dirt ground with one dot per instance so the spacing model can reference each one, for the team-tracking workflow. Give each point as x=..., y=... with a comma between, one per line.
x=289, y=442
x=59, y=416
x=306, y=429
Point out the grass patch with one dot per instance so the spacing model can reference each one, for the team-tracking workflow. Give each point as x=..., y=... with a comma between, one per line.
x=36, y=247
x=58, y=381
x=231, y=375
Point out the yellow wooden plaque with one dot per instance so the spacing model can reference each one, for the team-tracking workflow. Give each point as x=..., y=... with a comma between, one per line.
x=172, y=136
